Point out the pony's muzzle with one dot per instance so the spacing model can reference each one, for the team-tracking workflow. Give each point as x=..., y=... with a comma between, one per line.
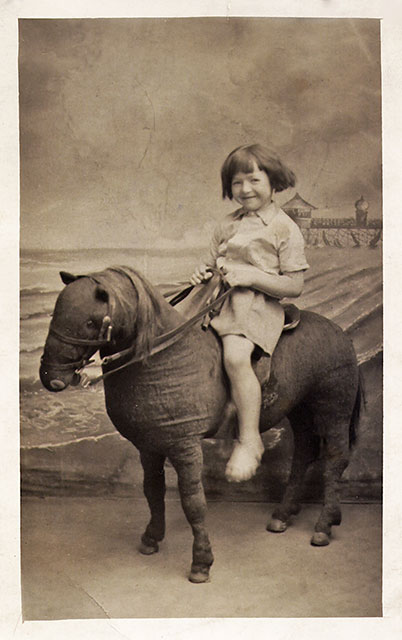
x=57, y=385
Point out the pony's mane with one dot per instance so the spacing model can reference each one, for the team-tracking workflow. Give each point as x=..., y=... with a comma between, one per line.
x=135, y=305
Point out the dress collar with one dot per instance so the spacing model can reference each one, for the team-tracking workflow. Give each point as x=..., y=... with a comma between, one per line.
x=266, y=214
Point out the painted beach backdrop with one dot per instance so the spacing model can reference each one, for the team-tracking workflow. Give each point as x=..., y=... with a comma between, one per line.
x=124, y=125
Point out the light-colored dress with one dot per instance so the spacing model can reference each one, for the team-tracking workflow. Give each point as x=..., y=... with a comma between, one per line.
x=270, y=241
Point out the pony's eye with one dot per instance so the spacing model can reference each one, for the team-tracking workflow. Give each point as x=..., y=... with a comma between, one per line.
x=90, y=324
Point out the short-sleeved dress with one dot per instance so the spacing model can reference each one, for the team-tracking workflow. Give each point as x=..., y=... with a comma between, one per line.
x=271, y=241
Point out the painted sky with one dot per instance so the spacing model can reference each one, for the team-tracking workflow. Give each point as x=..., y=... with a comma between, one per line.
x=125, y=122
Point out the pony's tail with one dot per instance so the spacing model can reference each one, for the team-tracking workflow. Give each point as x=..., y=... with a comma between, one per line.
x=360, y=402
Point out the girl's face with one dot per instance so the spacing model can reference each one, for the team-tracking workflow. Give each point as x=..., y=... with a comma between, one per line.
x=252, y=190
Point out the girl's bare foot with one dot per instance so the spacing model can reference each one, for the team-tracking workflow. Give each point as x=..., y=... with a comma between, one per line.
x=244, y=461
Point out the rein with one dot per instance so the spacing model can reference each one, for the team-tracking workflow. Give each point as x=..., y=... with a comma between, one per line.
x=161, y=342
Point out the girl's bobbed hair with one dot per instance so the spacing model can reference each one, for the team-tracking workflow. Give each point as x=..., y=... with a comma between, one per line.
x=242, y=159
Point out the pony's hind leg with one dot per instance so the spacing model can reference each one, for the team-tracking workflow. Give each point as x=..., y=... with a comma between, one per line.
x=336, y=458
x=334, y=404
x=154, y=490
x=306, y=450
x=186, y=457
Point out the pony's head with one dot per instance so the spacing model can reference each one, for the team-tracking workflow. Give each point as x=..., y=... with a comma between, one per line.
x=106, y=310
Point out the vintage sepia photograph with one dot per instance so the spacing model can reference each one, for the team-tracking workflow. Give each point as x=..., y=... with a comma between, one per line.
x=201, y=317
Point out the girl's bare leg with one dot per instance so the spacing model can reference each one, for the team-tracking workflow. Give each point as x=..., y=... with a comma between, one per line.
x=246, y=394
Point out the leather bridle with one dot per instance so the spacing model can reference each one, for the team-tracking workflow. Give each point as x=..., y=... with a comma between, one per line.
x=161, y=342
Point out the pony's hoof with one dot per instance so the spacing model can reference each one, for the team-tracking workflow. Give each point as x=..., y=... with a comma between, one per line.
x=148, y=550
x=197, y=577
x=320, y=539
x=276, y=526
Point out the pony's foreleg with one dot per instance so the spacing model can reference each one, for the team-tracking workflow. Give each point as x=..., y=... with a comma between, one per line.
x=186, y=458
x=154, y=490
x=336, y=458
x=306, y=450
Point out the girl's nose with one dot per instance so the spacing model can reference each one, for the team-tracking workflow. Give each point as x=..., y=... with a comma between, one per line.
x=246, y=187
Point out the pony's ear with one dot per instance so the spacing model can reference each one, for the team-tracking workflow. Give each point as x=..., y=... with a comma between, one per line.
x=67, y=278
x=101, y=294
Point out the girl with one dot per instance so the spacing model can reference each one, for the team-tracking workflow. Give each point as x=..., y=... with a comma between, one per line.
x=258, y=250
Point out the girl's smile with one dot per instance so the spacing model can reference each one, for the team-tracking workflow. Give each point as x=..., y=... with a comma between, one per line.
x=252, y=190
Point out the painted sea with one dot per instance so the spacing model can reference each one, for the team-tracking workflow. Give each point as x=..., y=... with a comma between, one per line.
x=342, y=283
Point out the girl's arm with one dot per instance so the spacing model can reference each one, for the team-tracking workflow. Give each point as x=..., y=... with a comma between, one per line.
x=287, y=285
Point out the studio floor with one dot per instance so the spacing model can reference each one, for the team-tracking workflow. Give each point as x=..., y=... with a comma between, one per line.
x=80, y=560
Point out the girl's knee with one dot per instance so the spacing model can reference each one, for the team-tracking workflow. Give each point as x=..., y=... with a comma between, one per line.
x=237, y=352
x=235, y=360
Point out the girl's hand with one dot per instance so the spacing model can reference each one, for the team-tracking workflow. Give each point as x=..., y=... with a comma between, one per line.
x=286, y=285
x=238, y=276
x=201, y=274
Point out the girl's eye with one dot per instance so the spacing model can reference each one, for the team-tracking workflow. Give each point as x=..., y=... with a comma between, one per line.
x=255, y=180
